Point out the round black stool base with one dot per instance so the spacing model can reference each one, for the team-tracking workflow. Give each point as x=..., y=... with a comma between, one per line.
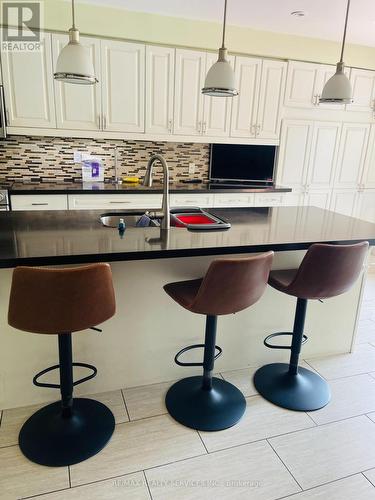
x=305, y=391
x=205, y=410
x=47, y=438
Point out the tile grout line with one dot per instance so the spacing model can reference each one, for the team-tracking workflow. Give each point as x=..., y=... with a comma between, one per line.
x=364, y=475
x=70, y=481
x=282, y=461
x=311, y=418
x=205, y=447
x=126, y=407
x=148, y=486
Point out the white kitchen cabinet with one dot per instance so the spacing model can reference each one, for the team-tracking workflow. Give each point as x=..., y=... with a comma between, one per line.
x=245, y=105
x=352, y=153
x=366, y=205
x=302, y=84
x=39, y=202
x=233, y=200
x=189, y=81
x=368, y=176
x=268, y=199
x=323, y=155
x=159, y=89
x=344, y=201
x=320, y=199
x=202, y=200
x=272, y=88
x=293, y=160
x=78, y=107
x=114, y=201
x=216, y=110
x=123, y=86
x=294, y=198
x=28, y=86
x=363, y=85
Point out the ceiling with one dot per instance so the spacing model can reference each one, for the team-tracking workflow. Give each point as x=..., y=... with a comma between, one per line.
x=324, y=18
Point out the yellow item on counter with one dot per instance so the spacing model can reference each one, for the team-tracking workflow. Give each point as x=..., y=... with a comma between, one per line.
x=130, y=180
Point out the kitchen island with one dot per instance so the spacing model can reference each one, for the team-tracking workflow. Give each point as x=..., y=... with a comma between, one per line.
x=137, y=346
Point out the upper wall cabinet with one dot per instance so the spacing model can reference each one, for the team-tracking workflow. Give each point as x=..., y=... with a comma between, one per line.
x=351, y=159
x=272, y=87
x=78, y=107
x=305, y=84
x=123, y=84
x=189, y=80
x=257, y=109
x=159, y=89
x=363, y=85
x=245, y=105
x=216, y=110
x=28, y=85
x=301, y=85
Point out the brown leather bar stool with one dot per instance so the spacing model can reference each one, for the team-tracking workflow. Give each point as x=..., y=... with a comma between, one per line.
x=59, y=302
x=326, y=271
x=230, y=285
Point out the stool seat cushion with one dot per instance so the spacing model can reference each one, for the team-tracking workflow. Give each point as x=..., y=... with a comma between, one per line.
x=229, y=286
x=282, y=279
x=184, y=292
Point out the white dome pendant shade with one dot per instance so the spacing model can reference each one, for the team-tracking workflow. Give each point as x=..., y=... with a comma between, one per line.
x=338, y=89
x=74, y=64
x=220, y=77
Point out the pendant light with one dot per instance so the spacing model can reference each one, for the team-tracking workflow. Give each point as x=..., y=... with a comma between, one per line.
x=220, y=77
x=74, y=64
x=338, y=89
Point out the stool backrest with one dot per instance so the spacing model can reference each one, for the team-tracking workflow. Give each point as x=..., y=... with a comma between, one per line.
x=231, y=285
x=59, y=301
x=328, y=270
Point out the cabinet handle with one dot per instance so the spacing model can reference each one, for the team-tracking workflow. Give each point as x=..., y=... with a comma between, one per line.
x=170, y=126
x=100, y=122
x=112, y=202
x=258, y=127
x=252, y=130
x=39, y=204
x=104, y=122
x=7, y=116
x=199, y=127
x=204, y=128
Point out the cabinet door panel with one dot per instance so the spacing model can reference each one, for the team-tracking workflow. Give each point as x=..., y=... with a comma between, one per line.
x=39, y=202
x=123, y=76
x=244, y=107
x=272, y=88
x=189, y=80
x=318, y=199
x=363, y=85
x=366, y=206
x=159, y=89
x=294, y=153
x=301, y=84
x=217, y=110
x=352, y=152
x=344, y=202
x=368, y=178
x=323, y=157
x=28, y=86
x=78, y=106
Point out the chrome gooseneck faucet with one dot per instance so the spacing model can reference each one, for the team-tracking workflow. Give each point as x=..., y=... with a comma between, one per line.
x=165, y=223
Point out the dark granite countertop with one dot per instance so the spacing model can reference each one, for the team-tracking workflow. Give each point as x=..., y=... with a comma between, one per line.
x=108, y=188
x=68, y=237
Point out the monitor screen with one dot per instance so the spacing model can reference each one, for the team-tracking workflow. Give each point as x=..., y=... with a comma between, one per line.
x=250, y=163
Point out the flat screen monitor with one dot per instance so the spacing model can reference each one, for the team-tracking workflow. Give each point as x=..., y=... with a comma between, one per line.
x=242, y=162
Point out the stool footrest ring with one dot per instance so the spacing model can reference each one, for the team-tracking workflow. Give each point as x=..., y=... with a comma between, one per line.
x=189, y=348
x=56, y=367
x=281, y=334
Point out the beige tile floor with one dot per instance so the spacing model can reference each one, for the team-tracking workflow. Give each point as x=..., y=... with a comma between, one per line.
x=271, y=454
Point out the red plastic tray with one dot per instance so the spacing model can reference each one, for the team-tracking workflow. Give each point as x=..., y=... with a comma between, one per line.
x=195, y=219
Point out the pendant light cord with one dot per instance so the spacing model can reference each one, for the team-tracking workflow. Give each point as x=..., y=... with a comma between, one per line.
x=344, y=37
x=224, y=24
x=73, y=16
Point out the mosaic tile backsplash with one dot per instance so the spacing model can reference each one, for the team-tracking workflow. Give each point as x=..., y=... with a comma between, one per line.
x=50, y=159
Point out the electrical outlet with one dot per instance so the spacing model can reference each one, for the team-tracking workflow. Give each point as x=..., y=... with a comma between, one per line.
x=192, y=168
x=77, y=155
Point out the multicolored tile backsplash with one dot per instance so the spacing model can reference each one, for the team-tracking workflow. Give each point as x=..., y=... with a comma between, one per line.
x=50, y=159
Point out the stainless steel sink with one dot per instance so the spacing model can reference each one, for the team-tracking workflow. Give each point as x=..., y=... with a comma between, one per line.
x=131, y=219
